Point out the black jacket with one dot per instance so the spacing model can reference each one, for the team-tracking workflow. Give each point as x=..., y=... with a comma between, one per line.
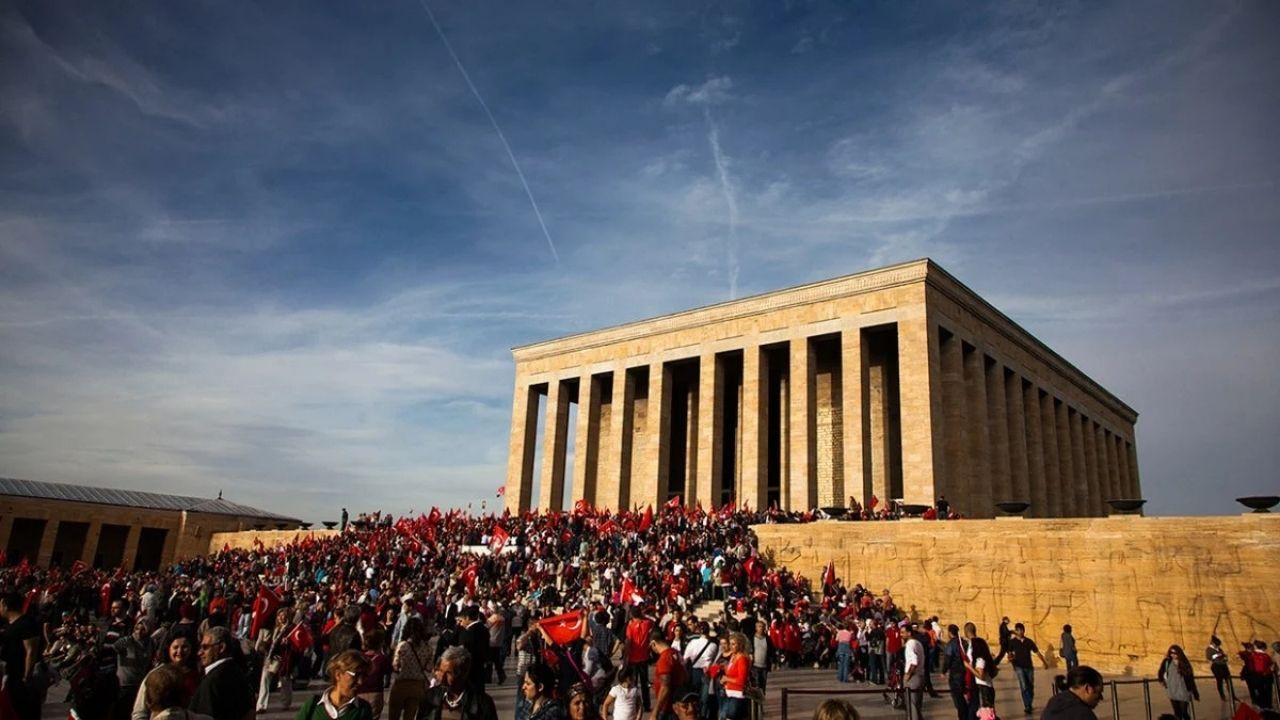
x=224, y=693
x=476, y=705
x=1067, y=706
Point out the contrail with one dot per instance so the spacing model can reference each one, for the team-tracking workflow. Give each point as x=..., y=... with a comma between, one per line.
x=730, y=199
x=501, y=136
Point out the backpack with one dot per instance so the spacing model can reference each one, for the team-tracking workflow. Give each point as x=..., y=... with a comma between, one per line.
x=1259, y=663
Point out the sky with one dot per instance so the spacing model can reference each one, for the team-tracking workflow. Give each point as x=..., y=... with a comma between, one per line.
x=282, y=250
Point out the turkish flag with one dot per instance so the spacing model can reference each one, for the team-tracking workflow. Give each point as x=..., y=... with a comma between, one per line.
x=502, y=491
x=673, y=503
x=564, y=629
x=470, y=576
x=499, y=540
x=104, y=599
x=647, y=520
x=874, y=502
x=301, y=639
x=609, y=526
x=581, y=507
x=78, y=566
x=829, y=577
x=264, y=606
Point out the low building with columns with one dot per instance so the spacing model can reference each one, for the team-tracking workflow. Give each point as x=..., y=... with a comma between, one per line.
x=57, y=524
x=897, y=383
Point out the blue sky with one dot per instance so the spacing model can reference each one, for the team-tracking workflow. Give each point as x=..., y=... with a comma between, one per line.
x=280, y=250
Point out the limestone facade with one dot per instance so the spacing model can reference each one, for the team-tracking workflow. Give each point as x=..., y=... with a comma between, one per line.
x=1129, y=586
x=898, y=383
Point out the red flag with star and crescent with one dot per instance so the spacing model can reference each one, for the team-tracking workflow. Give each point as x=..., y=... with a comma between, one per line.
x=264, y=607
x=498, y=540
x=564, y=629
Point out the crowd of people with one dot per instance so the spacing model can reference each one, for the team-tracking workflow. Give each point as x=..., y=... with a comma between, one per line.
x=417, y=618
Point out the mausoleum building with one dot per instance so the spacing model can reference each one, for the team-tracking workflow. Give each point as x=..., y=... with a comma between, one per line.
x=898, y=383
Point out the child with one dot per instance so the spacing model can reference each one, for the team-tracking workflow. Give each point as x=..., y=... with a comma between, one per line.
x=623, y=698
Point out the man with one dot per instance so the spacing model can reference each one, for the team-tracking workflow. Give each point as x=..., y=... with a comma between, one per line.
x=346, y=636
x=914, y=670
x=686, y=705
x=1005, y=634
x=1084, y=692
x=21, y=647
x=455, y=696
x=981, y=665
x=496, y=626
x=224, y=692
x=761, y=656
x=953, y=656
x=635, y=651
x=474, y=636
x=668, y=674
x=699, y=653
x=1020, y=650
x=1218, y=664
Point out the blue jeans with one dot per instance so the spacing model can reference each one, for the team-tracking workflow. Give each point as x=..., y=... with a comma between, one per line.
x=844, y=659
x=733, y=708
x=875, y=668
x=1027, y=684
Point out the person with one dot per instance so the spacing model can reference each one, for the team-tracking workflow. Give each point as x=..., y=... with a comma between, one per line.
x=1068, y=648
x=224, y=692
x=737, y=672
x=636, y=650
x=454, y=697
x=375, y=679
x=474, y=636
x=1179, y=681
x=685, y=706
x=761, y=656
x=181, y=655
x=579, y=706
x=1084, y=692
x=1005, y=634
x=340, y=701
x=1020, y=648
x=537, y=695
x=496, y=626
x=953, y=658
x=1263, y=670
x=277, y=661
x=345, y=635
x=913, y=664
x=623, y=700
x=836, y=710
x=1219, y=665
x=165, y=694
x=133, y=660
x=700, y=652
x=844, y=653
x=980, y=664
x=20, y=648
x=668, y=674
x=411, y=662
x=344, y=519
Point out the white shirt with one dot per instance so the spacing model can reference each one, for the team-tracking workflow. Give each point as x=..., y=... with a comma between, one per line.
x=978, y=665
x=912, y=654
x=215, y=664
x=696, y=646
x=626, y=702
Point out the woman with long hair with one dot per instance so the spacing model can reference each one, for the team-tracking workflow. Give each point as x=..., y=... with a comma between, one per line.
x=411, y=662
x=537, y=695
x=737, y=670
x=182, y=657
x=1179, y=681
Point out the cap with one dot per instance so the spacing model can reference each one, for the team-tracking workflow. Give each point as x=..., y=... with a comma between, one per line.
x=686, y=695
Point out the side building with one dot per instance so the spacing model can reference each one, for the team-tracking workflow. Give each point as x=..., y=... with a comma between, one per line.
x=56, y=524
x=898, y=383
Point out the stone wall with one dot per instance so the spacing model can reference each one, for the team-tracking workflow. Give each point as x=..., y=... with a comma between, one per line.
x=1130, y=586
x=270, y=538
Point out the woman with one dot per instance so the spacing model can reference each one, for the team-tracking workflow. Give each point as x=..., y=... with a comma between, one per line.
x=737, y=668
x=844, y=653
x=1179, y=681
x=411, y=662
x=537, y=695
x=580, y=706
x=182, y=657
x=340, y=701
x=375, y=680
x=166, y=695
x=277, y=660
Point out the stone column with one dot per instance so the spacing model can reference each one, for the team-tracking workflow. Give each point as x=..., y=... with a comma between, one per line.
x=521, y=447
x=1113, y=471
x=709, y=482
x=586, y=440
x=755, y=425
x=1019, y=474
x=801, y=484
x=1070, y=488
x=131, y=540
x=955, y=484
x=555, y=434
x=1122, y=465
x=91, y=537
x=980, y=503
x=45, y=553
x=1097, y=499
x=920, y=404
x=650, y=482
x=616, y=478
x=1035, y=452
x=1084, y=503
x=1103, y=472
x=1049, y=445
x=998, y=425
x=853, y=409
x=1132, y=456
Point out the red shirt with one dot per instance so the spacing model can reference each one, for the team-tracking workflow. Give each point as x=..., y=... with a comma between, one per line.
x=671, y=666
x=638, y=640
